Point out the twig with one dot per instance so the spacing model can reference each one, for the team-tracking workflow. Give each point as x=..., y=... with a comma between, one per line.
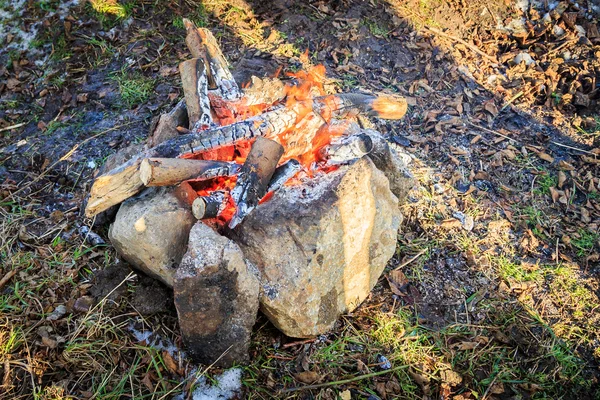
x=491, y=131
x=7, y=277
x=285, y=346
x=8, y=128
x=459, y=40
x=573, y=148
x=561, y=46
x=404, y=264
x=67, y=155
x=344, y=381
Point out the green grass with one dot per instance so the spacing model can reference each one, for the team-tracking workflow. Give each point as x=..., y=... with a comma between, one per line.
x=377, y=29
x=199, y=16
x=516, y=271
x=61, y=50
x=585, y=242
x=533, y=216
x=543, y=184
x=133, y=87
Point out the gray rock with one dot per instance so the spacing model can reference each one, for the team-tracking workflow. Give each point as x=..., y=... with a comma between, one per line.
x=151, y=232
x=321, y=246
x=216, y=296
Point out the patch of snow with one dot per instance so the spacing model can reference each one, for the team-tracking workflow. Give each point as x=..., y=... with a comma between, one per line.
x=156, y=341
x=228, y=385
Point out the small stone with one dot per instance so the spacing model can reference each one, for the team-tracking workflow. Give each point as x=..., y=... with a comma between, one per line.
x=216, y=296
x=58, y=313
x=462, y=186
x=438, y=188
x=83, y=304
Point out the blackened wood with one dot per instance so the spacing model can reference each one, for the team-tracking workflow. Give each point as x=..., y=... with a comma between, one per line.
x=347, y=148
x=165, y=126
x=283, y=173
x=106, y=193
x=195, y=90
x=171, y=171
x=208, y=206
x=202, y=44
x=254, y=177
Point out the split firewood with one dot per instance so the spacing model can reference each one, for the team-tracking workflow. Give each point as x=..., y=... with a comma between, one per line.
x=202, y=44
x=264, y=91
x=195, y=90
x=347, y=148
x=254, y=177
x=123, y=182
x=171, y=171
x=165, y=127
x=283, y=173
x=208, y=206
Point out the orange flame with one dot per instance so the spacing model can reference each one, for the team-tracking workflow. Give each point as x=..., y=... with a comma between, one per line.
x=311, y=132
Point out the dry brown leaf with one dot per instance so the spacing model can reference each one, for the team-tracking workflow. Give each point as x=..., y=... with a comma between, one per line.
x=555, y=194
x=565, y=166
x=590, y=160
x=562, y=178
x=476, y=139
x=585, y=216
x=546, y=157
x=451, y=223
x=307, y=376
x=170, y=362
x=397, y=280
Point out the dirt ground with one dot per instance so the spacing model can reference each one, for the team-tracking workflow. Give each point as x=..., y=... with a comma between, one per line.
x=493, y=292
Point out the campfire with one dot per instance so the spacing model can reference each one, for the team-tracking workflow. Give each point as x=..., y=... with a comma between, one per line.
x=272, y=194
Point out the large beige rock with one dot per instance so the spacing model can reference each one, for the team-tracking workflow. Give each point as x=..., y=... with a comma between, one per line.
x=151, y=232
x=321, y=249
x=216, y=295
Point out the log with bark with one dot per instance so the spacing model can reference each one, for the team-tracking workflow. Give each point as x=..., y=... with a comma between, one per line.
x=254, y=177
x=171, y=171
x=208, y=206
x=165, y=127
x=202, y=44
x=195, y=90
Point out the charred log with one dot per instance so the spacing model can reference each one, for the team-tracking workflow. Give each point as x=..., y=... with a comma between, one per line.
x=208, y=206
x=254, y=177
x=202, y=44
x=195, y=90
x=347, y=148
x=171, y=171
x=283, y=173
x=165, y=127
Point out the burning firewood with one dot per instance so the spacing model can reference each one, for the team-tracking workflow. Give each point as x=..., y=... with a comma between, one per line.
x=347, y=148
x=124, y=181
x=283, y=173
x=195, y=90
x=202, y=44
x=254, y=177
x=208, y=206
x=171, y=171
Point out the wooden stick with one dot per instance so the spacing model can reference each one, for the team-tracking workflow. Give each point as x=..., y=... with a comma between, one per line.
x=344, y=381
x=166, y=125
x=283, y=173
x=195, y=90
x=208, y=206
x=7, y=277
x=254, y=177
x=171, y=171
x=459, y=40
x=202, y=44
